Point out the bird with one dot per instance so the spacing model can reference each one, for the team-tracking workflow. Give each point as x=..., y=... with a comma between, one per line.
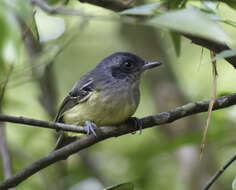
x=107, y=95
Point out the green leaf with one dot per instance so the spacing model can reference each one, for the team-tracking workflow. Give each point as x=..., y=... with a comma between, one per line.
x=176, y=4
x=191, y=21
x=176, y=39
x=229, y=22
x=231, y=3
x=143, y=10
x=53, y=2
x=122, y=186
x=210, y=7
x=234, y=184
x=55, y=26
x=225, y=54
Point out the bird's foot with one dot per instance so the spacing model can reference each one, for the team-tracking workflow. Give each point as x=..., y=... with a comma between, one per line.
x=137, y=123
x=90, y=126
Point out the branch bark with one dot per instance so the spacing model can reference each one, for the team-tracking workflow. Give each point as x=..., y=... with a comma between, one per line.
x=42, y=124
x=150, y=121
x=108, y=132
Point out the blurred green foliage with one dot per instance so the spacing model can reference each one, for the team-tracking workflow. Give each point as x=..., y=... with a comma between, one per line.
x=123, y=186
x=75, y=45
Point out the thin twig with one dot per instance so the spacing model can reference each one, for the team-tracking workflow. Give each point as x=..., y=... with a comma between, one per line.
x=26, y=30
x=108, y=132
x=201, y=55
x=42, y=124
x=213, y=98
x=219, y=172
x=4, y=150
x=5, y=153
x=6, y=159
x=4, y=85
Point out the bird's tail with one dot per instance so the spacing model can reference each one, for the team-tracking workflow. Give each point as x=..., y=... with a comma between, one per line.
x=63, y=140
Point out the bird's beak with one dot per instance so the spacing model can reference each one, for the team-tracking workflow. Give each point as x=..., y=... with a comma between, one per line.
x=151, y=64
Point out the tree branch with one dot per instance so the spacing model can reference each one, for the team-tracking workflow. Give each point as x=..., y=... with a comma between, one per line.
x=214, y=46
x=108, y=132
x=43, y=124
x=115, y=5
x=219, y=172
x=150, y=121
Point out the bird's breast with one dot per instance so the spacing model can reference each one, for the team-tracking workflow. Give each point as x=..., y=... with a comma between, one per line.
x=106, y=107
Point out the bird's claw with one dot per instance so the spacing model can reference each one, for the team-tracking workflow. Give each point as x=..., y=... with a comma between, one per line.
x=90, y=126
x=138, y=124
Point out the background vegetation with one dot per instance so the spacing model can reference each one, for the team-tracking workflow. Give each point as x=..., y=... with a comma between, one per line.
x=44, y=51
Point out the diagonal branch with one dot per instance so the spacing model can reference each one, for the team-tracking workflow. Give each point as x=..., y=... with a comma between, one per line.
x=108, y=132
x=219, y=172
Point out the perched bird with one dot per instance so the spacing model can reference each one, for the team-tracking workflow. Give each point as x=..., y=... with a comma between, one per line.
x=107, y=95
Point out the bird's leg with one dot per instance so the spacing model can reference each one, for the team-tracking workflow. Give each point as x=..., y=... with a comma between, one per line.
x=137, y=123
x=90, y=128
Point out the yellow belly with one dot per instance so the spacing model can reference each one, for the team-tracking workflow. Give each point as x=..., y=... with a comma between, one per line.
x=101, y=110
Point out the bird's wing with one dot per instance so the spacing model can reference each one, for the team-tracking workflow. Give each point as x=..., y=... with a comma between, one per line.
x=79, y=93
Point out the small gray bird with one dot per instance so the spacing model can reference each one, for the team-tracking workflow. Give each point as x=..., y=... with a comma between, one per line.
x=107, y=95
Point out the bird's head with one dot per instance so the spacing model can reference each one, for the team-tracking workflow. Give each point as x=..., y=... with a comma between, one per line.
x=126, y=66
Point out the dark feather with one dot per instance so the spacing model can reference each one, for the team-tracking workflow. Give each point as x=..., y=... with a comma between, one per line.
x=79, y=93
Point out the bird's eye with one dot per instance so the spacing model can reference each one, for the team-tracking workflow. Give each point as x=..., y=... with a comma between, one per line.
x=128, y=65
